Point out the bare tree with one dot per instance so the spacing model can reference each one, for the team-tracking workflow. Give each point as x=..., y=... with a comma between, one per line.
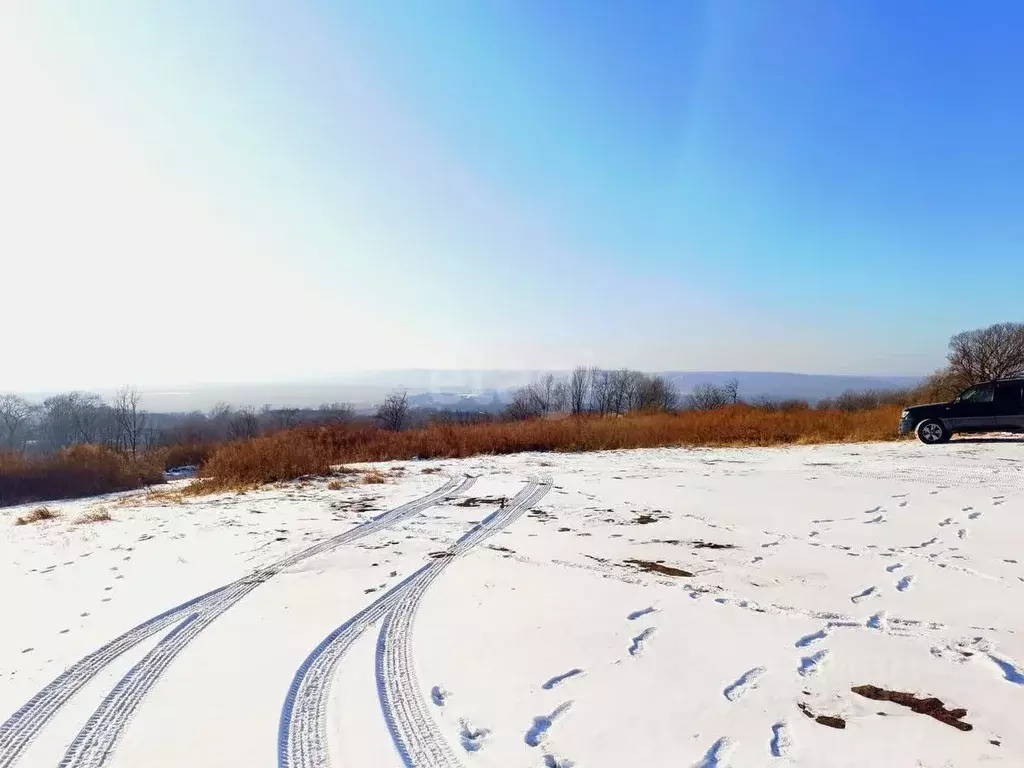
x=654, y=393
x=73, y=417
x=560, y=396
x=600, y=390
x=579, y=390
x=731, y=388
x=996, y=352
x=707, y=397
x=619, y=383
x=15, y=419
x=393, y=413
x=525, y=404
x=130, y=419
x=334, y=413
x=243, y=424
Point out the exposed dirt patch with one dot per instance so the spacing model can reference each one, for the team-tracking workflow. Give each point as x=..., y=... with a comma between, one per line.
x=698, y=544
x=828, y=720
x=354, y=505
x=439, y=555
x=931, y=706
x=646, y=518
x=476, y=501
x=657, y=566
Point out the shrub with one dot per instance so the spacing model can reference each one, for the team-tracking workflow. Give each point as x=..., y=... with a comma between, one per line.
x=37, y=515
x=81, y=470
x=373, y=478
x=290, y=454
x=101, y=515
x=284, y=455
x=187, y=454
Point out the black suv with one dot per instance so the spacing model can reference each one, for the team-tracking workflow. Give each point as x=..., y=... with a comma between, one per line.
x=996, y=406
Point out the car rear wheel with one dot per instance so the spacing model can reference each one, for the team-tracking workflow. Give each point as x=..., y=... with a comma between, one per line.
x=932, y=432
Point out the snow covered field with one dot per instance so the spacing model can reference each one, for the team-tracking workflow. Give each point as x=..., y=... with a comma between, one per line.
x=643, y=608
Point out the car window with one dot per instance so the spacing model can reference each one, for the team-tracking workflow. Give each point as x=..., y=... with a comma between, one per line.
x=1009, y=393
x=978, y=395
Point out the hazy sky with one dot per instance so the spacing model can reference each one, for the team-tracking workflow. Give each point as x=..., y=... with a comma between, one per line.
x=228, y=191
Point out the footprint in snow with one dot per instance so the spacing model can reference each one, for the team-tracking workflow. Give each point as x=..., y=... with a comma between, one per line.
x=747, y=681
x=878, y=519
x=811, y=665
x=878, y=621
x=962, y=533
x=439, y=695
x=1011, y=672
x=472, y=738
x=944, y=523
x=974, y=515
x=812, y=638
x=905, y=583
x=637, y=646
x=559, y=679
x=893, y=567
x=715, y=757
x=642, y=612
x=542, y=724
x=782, y=741
x=553, y=761
x=864, y=595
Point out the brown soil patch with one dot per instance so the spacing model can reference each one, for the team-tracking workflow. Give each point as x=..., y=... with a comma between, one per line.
x=658, y=567
x=931, y=706
x=829, y=720
x=698, y=544
x=476, y=501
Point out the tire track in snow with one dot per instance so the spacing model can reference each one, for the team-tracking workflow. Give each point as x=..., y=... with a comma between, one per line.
x=302, y=740
x=95, y=743
x=416, y=736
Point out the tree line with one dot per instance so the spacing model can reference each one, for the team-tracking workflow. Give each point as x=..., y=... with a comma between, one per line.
x=84, y=418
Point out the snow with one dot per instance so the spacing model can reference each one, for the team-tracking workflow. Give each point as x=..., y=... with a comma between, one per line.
x=671, y=607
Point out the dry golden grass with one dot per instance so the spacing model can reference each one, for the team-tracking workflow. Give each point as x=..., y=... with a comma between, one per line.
x=430, y=470
x=100, y=515
x=312, y=450
x=37, y=515
x=81, y=470
x=162, y=496
x=373, y=477
x=335, y=485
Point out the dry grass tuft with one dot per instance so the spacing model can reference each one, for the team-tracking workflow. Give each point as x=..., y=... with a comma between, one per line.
x=430, y=470
x=37, y=515
x=335, y=485
x=101, y=515
x=373, y=477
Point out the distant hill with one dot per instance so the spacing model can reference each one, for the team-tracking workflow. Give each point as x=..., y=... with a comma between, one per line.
x=804, y=386
x=478, y=389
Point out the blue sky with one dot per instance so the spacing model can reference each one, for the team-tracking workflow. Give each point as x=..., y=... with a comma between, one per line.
x=260, y=191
